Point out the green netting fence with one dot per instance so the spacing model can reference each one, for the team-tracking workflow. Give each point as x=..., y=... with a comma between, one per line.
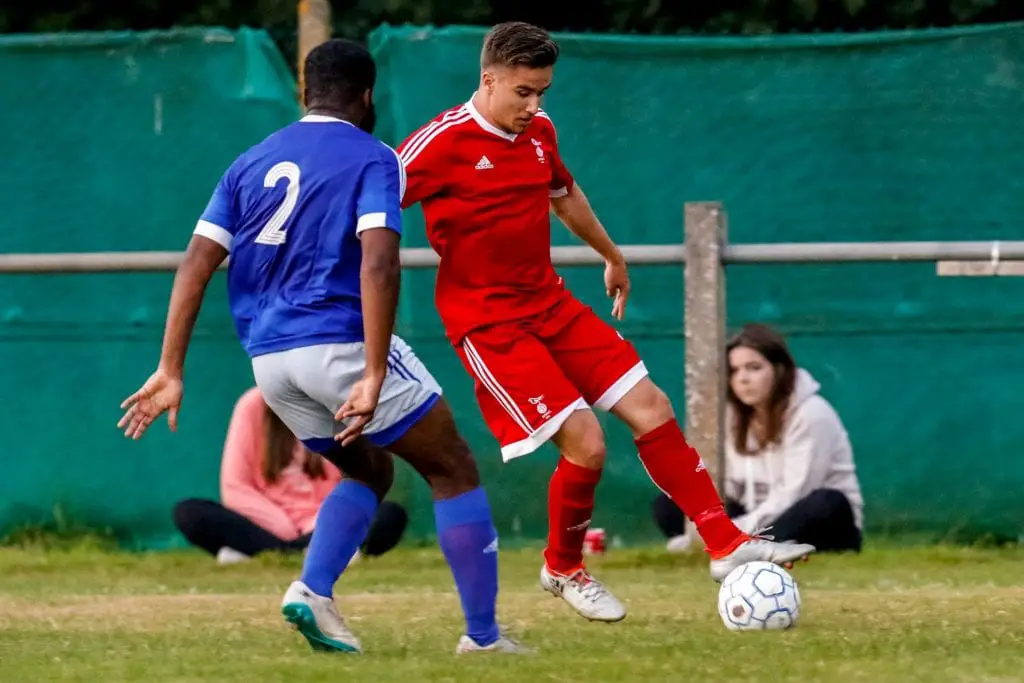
x=113, y=141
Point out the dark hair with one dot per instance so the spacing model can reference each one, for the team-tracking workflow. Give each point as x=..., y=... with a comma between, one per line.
x=337, y=73
x=278, y=448
x=516, y=43
x=772, y=346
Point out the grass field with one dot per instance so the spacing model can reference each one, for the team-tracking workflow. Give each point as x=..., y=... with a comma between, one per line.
x=925, y=614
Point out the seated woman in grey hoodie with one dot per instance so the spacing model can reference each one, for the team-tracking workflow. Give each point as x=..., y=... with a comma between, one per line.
x=789, y=463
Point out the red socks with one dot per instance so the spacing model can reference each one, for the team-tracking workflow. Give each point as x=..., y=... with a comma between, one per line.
x=676, y=468
x=672, y=464
x=570, y=506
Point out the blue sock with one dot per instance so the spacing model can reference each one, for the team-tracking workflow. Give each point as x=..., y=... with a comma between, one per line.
x=467, y=537
x=341, y=527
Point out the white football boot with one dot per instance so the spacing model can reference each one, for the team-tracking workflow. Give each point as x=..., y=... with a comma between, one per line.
x=503, y=644
x=584, y=593
x=760, y=548
x=317, y=618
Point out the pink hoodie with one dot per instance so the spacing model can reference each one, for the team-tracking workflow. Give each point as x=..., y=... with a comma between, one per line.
x=287, y=508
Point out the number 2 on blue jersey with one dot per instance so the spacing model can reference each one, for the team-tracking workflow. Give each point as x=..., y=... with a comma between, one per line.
x=273, y=232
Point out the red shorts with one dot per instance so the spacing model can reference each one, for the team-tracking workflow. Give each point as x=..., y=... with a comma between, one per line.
x=532, y=374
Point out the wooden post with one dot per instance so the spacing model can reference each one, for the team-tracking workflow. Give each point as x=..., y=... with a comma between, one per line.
x=705, y=234
x=314, y=29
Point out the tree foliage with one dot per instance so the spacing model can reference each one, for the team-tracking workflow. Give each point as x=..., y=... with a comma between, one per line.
x=355, y=18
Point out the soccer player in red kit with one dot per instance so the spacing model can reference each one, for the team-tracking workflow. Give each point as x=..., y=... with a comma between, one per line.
x=487, y=173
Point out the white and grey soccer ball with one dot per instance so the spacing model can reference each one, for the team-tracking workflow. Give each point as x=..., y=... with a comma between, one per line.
x=759, y=596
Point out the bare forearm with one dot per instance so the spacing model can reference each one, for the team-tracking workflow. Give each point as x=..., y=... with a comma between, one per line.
x=186, y=299
x=380, y=281
x=575, y=212
x=201, y=261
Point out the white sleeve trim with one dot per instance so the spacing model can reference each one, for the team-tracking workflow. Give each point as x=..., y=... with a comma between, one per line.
x=214, y=232
x=560, y=192
x=401, y=173
x=369, y=221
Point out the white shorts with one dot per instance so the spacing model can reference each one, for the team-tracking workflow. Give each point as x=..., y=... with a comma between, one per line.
x=306, y=387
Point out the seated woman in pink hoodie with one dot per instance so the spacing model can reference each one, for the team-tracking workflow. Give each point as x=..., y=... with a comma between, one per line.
x=788, y=459
x=271, y=489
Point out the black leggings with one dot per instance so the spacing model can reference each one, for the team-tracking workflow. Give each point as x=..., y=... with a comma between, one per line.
x=211, y=526
x=824, y=519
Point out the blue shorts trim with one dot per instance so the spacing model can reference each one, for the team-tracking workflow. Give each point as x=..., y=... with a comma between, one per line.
x=320, y=445
x=384, y=437
x=389, y=435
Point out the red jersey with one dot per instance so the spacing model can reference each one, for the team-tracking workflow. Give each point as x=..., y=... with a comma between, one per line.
x=486, y=197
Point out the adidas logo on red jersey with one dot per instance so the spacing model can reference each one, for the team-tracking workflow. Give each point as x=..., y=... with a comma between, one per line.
x=483, y=163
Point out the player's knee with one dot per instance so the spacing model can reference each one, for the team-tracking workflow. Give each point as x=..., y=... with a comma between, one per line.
x=593, y=451
x=581, y=440
x=656, y=404
x=458, y=473
x=644, y=407
x=587, y=449
x=436, y=450
x=364, y=463
x=381, y=473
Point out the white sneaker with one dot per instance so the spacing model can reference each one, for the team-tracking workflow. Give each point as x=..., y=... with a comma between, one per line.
x=584, y=593
x=318, y=620
x=226, y=556
x=679, y=545
x=503, y=644
x=763, y=549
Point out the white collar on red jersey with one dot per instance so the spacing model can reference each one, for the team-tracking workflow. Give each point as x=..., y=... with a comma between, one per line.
x=320, y=118
x=485, y=124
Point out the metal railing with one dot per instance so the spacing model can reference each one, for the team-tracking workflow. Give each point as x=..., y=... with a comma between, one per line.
x=705, y=252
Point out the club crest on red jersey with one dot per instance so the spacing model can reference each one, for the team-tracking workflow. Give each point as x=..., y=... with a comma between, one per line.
x=540, y=149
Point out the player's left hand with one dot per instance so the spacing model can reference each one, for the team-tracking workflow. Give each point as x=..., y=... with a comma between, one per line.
x=358, y=408
x=161, y=393
x=616, y=283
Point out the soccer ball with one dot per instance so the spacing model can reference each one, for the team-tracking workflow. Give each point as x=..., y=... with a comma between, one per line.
x=758, y=596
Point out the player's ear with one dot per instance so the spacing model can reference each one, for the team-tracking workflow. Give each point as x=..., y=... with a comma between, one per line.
x=487, y=81
x=368, y=97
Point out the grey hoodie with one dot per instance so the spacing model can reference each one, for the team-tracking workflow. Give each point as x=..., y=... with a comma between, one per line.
x=814, y=453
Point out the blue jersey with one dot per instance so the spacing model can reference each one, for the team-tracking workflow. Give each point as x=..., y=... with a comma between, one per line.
x=290, y=211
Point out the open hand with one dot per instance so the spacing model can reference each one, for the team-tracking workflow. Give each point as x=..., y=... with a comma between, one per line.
x=161, y=393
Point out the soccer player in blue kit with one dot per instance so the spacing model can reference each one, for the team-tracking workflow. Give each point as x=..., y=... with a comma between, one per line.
x=311, y=217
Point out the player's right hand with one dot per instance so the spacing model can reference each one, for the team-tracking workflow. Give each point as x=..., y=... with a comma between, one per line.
x=358, y=409
x=161, y=393
x=617, y=286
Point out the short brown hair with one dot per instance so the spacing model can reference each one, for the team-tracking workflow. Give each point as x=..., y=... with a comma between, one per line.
x=772, y=346
x=516, y=43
